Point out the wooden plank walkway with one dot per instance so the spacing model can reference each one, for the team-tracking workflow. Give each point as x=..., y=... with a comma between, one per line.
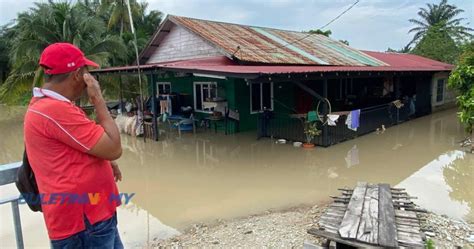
x=387, y=218
x=372, y=215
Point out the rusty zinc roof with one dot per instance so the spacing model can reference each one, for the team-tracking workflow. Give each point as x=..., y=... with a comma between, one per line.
x=250, y=44
x=222, y=65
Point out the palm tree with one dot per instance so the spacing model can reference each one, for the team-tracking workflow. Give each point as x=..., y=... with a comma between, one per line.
x=444, y=15
x=145, y=26
x=4, y=49
x=119, y=17
x=148, y=23
x=47, y=23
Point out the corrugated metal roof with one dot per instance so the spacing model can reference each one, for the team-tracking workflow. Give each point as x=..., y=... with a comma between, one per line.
x=270, y=46
x=223, y=65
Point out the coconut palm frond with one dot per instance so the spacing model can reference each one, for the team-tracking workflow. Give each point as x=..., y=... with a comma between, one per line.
x=16, y=87
x=417, y=37
x=51, y=22
x=417, y=29
x=111, y=44
x=37, y=80
x=420, y=24
x=442, y=15
x=26, y=48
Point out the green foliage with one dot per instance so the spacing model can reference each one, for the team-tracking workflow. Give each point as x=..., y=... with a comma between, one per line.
x=458, y=175
x=320, y=32
x=4, y=48
x=443, y=15
x=438, y=45
x=100, y=28
x=345, y=42
x=118, y=14
x=404, y=50
x=311, y=131
x=430, y=244
x=462, y=80
x=326, y=33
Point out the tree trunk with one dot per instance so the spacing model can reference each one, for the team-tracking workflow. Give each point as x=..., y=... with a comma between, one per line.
x=121, y=27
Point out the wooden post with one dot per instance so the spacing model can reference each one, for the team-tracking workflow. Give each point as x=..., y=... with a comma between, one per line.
x=397, y=96
x=325, y=112
x=121, y=94
x=152, y=80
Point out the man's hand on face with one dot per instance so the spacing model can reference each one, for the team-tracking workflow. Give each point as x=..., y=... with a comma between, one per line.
x=93, y=88
x=116, y=170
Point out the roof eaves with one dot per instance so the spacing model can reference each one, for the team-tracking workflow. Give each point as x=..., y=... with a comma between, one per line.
x=152, y=40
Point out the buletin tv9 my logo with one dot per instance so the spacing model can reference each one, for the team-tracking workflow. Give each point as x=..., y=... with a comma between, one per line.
x=74, y=198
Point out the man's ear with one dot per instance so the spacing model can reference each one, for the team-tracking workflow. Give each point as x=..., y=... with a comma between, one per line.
x=78, y=75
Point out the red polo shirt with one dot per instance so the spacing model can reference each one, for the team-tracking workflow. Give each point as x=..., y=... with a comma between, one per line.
x=58, y=136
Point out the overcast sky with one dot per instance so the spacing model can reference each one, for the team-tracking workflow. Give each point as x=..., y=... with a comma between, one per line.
x=370, y=25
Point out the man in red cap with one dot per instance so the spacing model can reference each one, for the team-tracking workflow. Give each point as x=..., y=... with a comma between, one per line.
x=72, y=156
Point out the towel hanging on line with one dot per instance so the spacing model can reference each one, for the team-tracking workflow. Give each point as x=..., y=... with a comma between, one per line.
x=352, y=120
x=332, y=118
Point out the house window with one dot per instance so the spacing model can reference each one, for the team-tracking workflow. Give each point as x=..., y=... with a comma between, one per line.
x=440, y=90
x=203, y=91
x=261, y=97
x=163, y=87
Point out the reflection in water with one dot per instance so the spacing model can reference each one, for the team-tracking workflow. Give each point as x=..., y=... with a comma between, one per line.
x=199, y=178
x=444, y=185
x=460, y=177
x=138, y=227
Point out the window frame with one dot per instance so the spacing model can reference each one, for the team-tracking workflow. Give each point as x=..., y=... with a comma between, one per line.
x=261, y=97
x=164, y=83
x=202, y=95
x=443, y=92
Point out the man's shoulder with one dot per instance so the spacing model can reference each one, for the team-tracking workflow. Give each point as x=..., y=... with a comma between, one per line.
x=52, y=109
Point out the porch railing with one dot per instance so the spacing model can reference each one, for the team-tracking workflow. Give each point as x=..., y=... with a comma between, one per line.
x=8, y=174
x=281, y=125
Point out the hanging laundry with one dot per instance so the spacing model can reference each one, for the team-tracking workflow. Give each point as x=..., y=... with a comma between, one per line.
x=332, y=118
x=355, y=119
x=313, y=116
x=352, y=120
x=349, y=120
x=128, y=107
x=163, y=104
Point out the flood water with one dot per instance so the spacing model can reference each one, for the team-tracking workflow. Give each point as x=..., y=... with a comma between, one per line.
x=208, y=176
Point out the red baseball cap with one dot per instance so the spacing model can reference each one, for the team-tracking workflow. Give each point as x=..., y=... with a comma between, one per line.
x=59, y=58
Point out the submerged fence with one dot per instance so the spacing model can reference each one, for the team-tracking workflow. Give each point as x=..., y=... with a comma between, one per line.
x=282, y=125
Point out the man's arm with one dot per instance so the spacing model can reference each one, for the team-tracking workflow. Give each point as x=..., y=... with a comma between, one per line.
x=116, y=171
x=109, y=146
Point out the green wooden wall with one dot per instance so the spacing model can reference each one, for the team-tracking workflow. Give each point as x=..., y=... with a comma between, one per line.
x=237, y=93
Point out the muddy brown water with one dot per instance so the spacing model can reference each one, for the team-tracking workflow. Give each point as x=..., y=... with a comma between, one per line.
x=200, y=178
